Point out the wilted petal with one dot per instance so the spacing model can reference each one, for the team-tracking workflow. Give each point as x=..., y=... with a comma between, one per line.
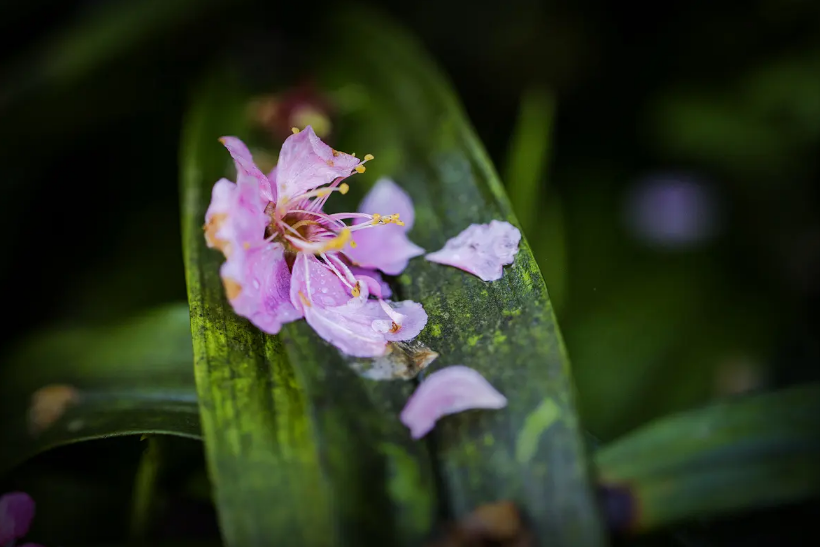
x=246, y=170
x=16, y=514
x=481, y=249
x=326, y=303
x=386, y=248
x=448, y=391
x=305, y=162
x=377, y=285
x=257, y=283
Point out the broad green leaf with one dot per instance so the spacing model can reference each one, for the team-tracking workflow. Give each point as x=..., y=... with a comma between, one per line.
x=753, y=451
x=129, y=378
x=302, y=450
x=532, y=452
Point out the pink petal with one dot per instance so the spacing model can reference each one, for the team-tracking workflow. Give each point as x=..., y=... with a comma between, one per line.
x=481, y=249
x=377, y=285
x=16, y=514
x=386, y=248
x=413, y=321
x=326, y=303
x=246, y=170
x=235, y=220
x=448, y=391
x=257, y=283
x=305, y=163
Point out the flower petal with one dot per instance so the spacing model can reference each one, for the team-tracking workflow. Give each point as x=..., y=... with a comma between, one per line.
x=320, y=295
x=305, y=162
x=257, y=283
x=246, y=170
x=235, y=219
x=448, y=391
x=413, y=321
x=16, y=514
x=387, y=247
x=481, y=249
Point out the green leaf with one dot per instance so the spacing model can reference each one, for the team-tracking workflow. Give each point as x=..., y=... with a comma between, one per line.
x=303, y=450
x=754, y=451
x=125, y=379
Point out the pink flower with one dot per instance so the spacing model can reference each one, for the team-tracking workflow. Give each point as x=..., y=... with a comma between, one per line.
x=448, y=391
x=481, y=249
x=287, y=259
x=16, y=514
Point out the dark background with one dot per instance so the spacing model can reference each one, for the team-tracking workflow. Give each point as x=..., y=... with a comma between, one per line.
x=707, y=113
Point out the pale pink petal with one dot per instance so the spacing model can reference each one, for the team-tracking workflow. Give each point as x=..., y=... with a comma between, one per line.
x=448, y=391
x=377, y=285
x=481, y=249
x=16, y=514
x=246, y=170
x=387, y=247
x=305, y=162
x=257, y=283
x=397, y=321
x=326, y=303
x=413, y=321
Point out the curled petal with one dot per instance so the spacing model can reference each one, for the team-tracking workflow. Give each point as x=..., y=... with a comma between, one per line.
x=375, y=283
x=481, y=249
x=413, y=320
x=386, y=248
x=326, y=304
x=305, y=163
x=448, y=391
x=246, y=170
x=16, y=514
x=257, y=283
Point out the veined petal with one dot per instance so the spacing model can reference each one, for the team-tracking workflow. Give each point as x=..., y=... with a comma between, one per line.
x=305, y=163
x=481, y=249
x=257, y=283
x=246, y=170
x=387, y=247
x=16, y=514
x=319, y=294
x=448, y=391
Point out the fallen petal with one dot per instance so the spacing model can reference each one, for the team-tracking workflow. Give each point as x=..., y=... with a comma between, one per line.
x=16, y=514
x=481, y=249
x=386, y=248
x=448, y=391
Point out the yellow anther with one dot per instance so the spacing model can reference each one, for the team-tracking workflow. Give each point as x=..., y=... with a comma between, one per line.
x=353, y=154
x=353, y=244
x=394, y=328
x=222, y=140
x=357, y=291
x=377, y=218
x=400, y=222
x=329, y=163
x=322, y=193
x=343, y=188
x=304, y=299
x=368, y=157
x=246, y=245
x=360, y=168
x=338, y=242
x=295, y=130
